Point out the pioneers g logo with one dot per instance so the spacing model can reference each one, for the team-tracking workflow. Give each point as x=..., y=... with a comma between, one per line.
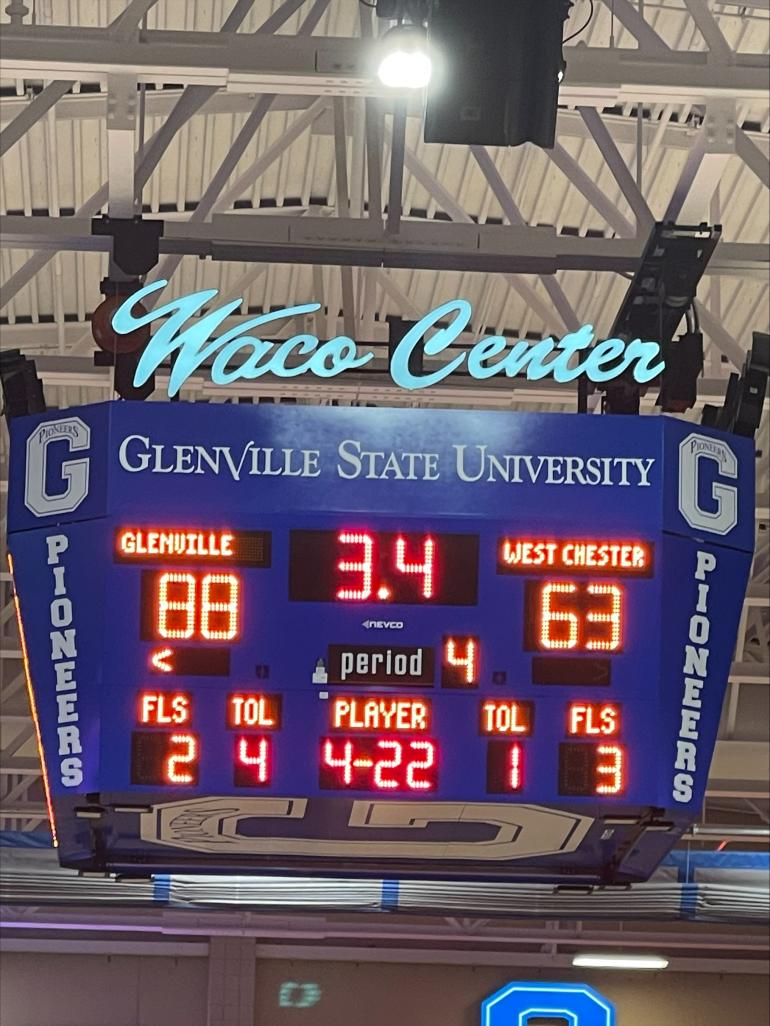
x=74, y=473
x=723, y=516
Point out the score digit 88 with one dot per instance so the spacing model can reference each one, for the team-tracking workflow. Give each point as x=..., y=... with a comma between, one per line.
x=186, y=605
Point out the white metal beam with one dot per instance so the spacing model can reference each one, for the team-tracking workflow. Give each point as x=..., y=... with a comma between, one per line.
x=396, y=180
x=149, y=156
x=32, y=111
x=569, y=124
x=121, y=127
x=620, y=172
x=436, y=245
x=215, y=187
x=588, y=188
x=237, y=62
x=708, y=26
x=128, y=21
x=633, y=19
x=512, y=212
x=258, y=167
x=705, y=165
x=442, y=196
x=721, y=338
x=343, y=210
x=753, y=157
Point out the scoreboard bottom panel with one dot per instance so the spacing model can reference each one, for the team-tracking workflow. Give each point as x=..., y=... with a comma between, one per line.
x=340, y=836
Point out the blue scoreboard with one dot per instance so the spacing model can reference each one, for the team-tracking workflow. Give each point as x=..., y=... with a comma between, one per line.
x=376, y=641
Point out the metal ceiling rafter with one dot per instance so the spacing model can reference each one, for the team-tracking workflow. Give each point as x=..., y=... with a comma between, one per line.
x=588, y=188
x=343, y=210
x=598, y=76
x=706, y=163
x=752, y=157
x=619, y=169
x=437, y=245
x=29, y=115
x=121, y=129
x=641, y=30
x=397, y=158
x=258, y=167
x=512, y=212
x=129, y=19
x=569, y=124
x=708, y=26
x=432, y=185
x=147, y=159
x=230, y=161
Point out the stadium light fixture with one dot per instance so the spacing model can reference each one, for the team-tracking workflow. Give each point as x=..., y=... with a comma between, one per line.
x=405, y=62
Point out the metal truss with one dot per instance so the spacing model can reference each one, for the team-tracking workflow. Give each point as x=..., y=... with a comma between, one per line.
x=280, y=238
x=344, y=67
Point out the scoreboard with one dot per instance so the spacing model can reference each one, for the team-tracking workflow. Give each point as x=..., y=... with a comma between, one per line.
x=376, y=641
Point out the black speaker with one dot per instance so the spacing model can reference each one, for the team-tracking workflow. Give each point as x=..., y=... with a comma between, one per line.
x=498, y=66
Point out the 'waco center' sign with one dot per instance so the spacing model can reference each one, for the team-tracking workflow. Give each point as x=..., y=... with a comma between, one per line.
x=241, y=353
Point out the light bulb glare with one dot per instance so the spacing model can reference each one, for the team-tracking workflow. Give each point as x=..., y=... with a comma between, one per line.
x=405, y=69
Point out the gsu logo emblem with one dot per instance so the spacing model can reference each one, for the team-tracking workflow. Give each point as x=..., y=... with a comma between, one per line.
x=693, y=451
x=74, y=472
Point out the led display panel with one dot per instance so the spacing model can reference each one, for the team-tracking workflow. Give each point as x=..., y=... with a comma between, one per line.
x=370, y=566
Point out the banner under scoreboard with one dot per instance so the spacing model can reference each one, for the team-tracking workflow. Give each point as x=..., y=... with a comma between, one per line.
x=377, y=641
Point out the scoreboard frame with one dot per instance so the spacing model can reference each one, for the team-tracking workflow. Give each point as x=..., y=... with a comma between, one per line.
x=313, y=628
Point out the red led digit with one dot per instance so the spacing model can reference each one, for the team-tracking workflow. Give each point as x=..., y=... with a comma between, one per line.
x=465, y=658
x=176, y=616
x=515, y=767
x=426, y=568
x=397, y=752
x=550, y=636
x=254, y=754
x=383, y=764
x=611, y=772
x=180, y=766
x=363, y=566
x=222, y=611
x=428, y=751
x=611, y=617
x=345, y=762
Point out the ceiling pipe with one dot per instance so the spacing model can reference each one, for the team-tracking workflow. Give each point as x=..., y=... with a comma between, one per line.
x=726, y=830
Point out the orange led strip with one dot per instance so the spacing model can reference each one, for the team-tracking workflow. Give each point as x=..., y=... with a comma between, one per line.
x=33, y=708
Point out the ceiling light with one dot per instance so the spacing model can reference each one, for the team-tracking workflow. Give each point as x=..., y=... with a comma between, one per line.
x=619, y=962
x=405, y=62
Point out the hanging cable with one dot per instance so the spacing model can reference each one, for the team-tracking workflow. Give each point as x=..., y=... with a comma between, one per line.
x=584, y=26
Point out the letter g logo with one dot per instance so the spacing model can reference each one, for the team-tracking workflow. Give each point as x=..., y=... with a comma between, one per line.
x=723, y=517
x=74, y=473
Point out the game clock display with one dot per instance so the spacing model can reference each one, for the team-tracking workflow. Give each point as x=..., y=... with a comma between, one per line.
x=195, y=604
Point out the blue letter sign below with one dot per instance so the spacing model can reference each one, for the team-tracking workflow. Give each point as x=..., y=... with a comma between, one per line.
x=518, y=1004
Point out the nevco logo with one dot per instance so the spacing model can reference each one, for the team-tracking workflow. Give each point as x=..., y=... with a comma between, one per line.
x=74, y=473
x=723, y=517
